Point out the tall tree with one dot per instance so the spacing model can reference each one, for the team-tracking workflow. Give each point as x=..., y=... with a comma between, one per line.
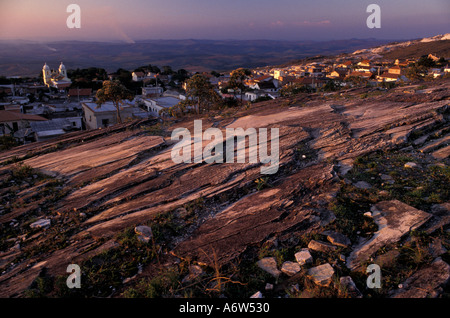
x=200, y=93
x=115, y=92
x=237, y=80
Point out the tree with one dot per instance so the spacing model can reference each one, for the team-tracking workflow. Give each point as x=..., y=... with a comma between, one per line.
x=426, y=62
x=415, y=72
x=124, y=76
x=115, y=92
x=294, y=89
x=330, y=86
x=181, y=75
x=441, y=62
x=167, y=70
x=237, y=80
x=200, y=93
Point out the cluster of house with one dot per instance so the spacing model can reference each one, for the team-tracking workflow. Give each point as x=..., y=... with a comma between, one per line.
x=33, y=112
x=342, y=70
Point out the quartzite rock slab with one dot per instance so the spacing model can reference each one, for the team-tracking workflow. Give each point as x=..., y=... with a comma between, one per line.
x=290, y=268
x=394, y=219
x=304, y=256
x=321, y=246
x=322, y=274
x=269, y=265
x=425, y=282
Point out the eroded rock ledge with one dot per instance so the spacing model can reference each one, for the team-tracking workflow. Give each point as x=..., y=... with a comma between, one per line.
x=109, y=182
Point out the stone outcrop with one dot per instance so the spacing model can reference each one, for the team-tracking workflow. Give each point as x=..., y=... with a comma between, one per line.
x=107, y=181
x=394, y=220
x=425, y=282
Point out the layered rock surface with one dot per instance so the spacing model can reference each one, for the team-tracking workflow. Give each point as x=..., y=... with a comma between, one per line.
x=124, y=178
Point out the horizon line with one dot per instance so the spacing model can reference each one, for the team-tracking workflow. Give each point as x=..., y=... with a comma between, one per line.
x=203, y=39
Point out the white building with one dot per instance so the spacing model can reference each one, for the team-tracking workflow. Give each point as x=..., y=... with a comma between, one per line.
x=105, y=115
x=138, y=76
x=278, y=73
x=154, y=105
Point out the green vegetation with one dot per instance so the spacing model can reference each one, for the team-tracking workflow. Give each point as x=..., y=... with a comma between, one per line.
x=115, y=92
x=7, y=142
x=420, y=187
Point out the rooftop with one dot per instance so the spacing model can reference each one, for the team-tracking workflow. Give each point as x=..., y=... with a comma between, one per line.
x=166, y=102
x=51, y=125
x=105, y=107
x=8, y=116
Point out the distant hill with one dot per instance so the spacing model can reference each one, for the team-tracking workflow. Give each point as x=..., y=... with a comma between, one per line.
x=439, y=48
x=25, y=58
x=438, y=45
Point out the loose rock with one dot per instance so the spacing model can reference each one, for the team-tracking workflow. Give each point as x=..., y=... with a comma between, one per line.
x=258, y=294
x=303, y=257
x=362, y=185
x=321, y=246
x=411, y=165
x=269, y=264
x=337, y=239
x=144, y=233
x=290, y=268
x=322, y=274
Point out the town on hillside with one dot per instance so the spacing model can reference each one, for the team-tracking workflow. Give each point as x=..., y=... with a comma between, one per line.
x=63, y=100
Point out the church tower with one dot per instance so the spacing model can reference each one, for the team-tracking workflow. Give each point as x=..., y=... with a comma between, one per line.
x=47, y=74
x=62, y=70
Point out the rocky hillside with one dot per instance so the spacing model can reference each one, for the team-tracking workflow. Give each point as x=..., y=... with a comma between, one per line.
x=363, y=180
x=414, y=49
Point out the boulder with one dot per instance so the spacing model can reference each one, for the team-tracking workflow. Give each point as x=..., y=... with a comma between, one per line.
x=394, y=220
x=322, y=274
x=290, y=268
x=269, y=265
x=303, y=257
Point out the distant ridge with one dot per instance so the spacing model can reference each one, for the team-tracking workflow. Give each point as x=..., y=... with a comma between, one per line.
x=25, y=58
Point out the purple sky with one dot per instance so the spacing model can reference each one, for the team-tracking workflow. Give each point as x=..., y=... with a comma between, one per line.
x=233, y=19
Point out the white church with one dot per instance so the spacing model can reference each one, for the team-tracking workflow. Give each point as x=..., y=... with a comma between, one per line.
x=57, y=79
